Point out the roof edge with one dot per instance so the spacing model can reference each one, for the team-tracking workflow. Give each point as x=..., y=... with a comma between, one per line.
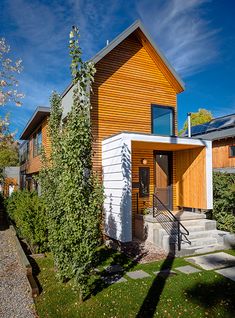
x=43, y=109
x=118, y=39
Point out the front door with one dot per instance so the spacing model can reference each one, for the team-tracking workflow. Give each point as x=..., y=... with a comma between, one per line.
x=163, y=177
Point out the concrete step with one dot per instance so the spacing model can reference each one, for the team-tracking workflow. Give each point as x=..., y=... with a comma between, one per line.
x=204, y=241
x=199, y=250
x=206, y=224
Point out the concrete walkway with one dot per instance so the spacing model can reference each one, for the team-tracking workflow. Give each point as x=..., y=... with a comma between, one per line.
x=224, y=261
x=15, y=297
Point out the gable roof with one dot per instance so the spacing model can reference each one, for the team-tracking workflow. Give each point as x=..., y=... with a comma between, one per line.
x=217, y=128
x=38, y=116
x=144, y=37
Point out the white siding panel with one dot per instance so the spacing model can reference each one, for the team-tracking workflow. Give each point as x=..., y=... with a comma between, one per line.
x=113, y=176
x=112, y=161
x=111, y=169
x=116, y=163
x=113, y=184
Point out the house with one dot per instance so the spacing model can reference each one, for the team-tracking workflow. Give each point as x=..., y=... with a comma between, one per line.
x=10, y=180
x=146, y=167
x=34, y=136
x=221, y=131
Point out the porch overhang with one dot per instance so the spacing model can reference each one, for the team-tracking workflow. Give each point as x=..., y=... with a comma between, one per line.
x=117, y=174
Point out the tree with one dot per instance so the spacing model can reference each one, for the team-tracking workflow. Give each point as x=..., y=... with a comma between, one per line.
x=8, y=146
x=73, y=194
x=200, y=117
x=8, y=81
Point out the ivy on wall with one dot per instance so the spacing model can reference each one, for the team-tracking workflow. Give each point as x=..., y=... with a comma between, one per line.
x=72, y=191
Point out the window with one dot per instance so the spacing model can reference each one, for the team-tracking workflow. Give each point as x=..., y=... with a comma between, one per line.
x=37, y=143
x=144, y=178
x=162, y=120
x=232, y=151
x=24, y=152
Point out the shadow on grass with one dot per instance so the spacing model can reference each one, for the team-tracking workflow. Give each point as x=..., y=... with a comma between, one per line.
x=36, y=271
x=152, y=298
x=105, y=259
x=219, y=294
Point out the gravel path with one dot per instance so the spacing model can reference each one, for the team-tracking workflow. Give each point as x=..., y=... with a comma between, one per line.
x=15, y=297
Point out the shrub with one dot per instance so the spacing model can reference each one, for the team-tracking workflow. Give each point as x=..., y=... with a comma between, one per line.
x=224, y=201
x=27, y=211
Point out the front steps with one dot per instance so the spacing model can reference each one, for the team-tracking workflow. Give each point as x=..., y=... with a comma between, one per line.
x=203, y=236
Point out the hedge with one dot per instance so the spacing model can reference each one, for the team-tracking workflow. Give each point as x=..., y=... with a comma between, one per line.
x=27, y=211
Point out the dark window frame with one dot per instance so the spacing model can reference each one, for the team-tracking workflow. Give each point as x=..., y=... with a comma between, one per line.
x=173, y=119
x=141, y=193
x=230, y=150
x=37, y=148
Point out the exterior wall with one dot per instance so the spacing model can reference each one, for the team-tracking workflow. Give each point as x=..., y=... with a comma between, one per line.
x=116, y=164
x=220, y=151
x=191, y=178
x=33, y=165
x=127, y=82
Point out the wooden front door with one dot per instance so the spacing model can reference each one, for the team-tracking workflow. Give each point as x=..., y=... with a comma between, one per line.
x=163, y=177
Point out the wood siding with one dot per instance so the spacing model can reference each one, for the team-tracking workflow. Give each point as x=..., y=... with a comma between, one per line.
x=190, y=177
x=127, y=82
x=33, y=165
x=220, y=153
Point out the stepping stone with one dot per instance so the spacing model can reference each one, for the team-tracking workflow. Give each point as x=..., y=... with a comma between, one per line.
x=114, y=279
x=227, y=272
x=114, y=269
x=213, y=261
x=165, y=273
x=188, y=269
x=138, y=274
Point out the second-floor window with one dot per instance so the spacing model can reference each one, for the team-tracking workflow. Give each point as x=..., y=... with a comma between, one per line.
x=37, y=143
x=24, y=153
x=162, y=120
x=232, y=151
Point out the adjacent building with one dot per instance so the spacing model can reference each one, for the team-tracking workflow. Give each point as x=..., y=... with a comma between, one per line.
x=221, y=131
x=33, y=137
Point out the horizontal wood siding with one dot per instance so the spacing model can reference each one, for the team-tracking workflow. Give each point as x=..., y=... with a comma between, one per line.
x=190, y=177
x=220, y=153
x=127, y=82
x=33, y=165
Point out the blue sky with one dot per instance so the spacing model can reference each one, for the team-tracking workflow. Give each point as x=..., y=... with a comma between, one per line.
x=197, y=37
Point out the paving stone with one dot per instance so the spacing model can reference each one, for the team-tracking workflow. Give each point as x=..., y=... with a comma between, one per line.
x=138, y=274
x=227, y=272
x=113, y=269
x=213, y=261
x=188, y=269
x=165, y=273
x=114, y=279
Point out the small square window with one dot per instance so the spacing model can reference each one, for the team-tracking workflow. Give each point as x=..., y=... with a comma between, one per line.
x=232, y=151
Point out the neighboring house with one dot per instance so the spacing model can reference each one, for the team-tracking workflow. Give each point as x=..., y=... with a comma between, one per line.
x=11, y=180
x=136, y=143
x=34, y=136
x=221, y=131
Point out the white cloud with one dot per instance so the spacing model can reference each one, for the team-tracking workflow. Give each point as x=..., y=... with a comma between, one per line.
x=181, y=29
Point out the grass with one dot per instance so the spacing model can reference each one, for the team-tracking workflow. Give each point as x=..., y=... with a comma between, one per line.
x=204, y=294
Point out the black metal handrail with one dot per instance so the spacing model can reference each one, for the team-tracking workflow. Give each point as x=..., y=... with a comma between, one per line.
x=167, y=213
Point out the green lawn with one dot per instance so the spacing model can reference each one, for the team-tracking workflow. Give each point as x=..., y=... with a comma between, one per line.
x=204, y=294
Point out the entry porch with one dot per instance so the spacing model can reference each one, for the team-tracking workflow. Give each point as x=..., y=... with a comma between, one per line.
x=138, y=167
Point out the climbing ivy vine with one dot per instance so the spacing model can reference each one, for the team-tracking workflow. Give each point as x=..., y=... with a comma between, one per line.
x=72, y=190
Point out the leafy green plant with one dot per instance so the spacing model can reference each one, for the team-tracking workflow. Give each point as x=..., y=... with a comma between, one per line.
x=224, y=201
x=72, y=191
x=27, y=211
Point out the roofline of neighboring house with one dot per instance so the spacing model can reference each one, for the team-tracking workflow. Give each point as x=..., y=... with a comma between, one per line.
x=38, y=116
x=211, y=131
x=137, y=24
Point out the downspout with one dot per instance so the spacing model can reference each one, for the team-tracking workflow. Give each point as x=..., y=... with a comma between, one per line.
x=189, y=125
